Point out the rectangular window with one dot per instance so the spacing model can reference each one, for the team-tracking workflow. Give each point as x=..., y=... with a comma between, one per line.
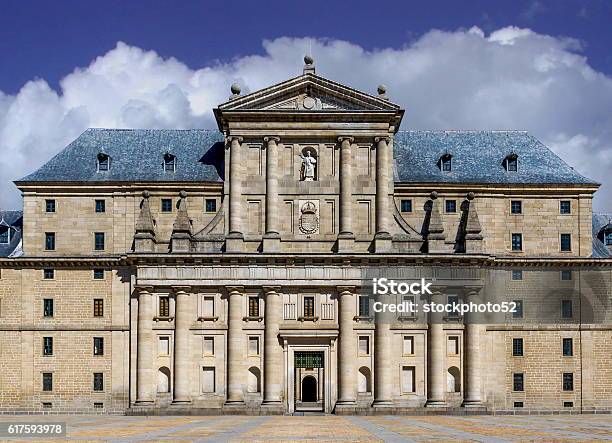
x=253, y=306
x=566, y=309
x=98, y=381
x=47, y=346
x=98, y=405
x=208, y=307
x=166, y=205
x=4, y=235
x=518, y=382
x=517, y=242
x=253, y=345
x=48, y=274
x=48, y=307
x=512, y=164
x=608, y=238
x=103, y=162
x=409, y=302
x=98, y=346
x=364, y=345
x=50, y=205
x=408, y=345
x=452, y=345
x=50, y=241
x=516, y=207
x=568, y=381
x=163, y=346
x=565, y=207
x=517, y=274
x=566, y=242
x=406, y=206
x=98, y=274
x=447, y=164
x=568, y=404
x=408, y=379
x=208, y=380
x=98, y=307
x=518, y=404
x=211, y=205
x=164, y=306
x=99, y=241
x=566, y=275
x=309, y=307
x=568, y=347
x=518, y=309
x=451, y=206
x=517, y=347
x=208, y=346
x=452, y=300
x=364, y=306
x=100, y=206
x=47, y=381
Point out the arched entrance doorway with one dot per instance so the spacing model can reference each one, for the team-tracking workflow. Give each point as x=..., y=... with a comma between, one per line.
x=309, y=389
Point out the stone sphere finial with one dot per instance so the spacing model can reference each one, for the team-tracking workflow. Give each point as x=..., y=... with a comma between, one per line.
x=146, y=194
x=183, y=194
x=470, y=196
x=434, y=195
x=308, y=59
x=235, y=88
x=382, y=89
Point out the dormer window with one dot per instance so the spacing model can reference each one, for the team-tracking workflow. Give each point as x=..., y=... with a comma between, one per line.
x=169, y=162
x=446, y=163
x=608, y=238
x=511, y=163
x=5, y=235
x=103, y=162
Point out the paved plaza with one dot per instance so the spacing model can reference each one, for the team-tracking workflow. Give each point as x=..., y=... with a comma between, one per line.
x=330, y=428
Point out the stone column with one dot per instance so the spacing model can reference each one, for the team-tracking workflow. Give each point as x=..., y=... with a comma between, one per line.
x=383, y=374
x=235, y=236
x=145, y=383
x=273, y=351
x=383, y=211
x=346, y=235
x=347, y=392
x=235, y=348
x=474, y=330
x=182, y=363
x=436, y=375
x=272, y=235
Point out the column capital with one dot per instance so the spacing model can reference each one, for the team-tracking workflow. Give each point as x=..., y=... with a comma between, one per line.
x=345, y=290
x=233, y=289
x=181, y=289
x=271, y=138
x=347, y=138
x=231, y=138
x=271, y=289
x=384, y=138
x=143, y=289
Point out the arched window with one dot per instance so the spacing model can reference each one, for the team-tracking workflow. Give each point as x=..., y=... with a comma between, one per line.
x=104, y=162
x=453, y=379
x=446, y=163
x=169, y=162
x=163, y=380
x=254, y=381
x=364, y=380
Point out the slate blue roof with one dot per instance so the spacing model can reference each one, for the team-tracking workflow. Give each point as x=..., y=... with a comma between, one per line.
x=137, y=155
x=599, y=222
x=12, y=220
x=477, y=157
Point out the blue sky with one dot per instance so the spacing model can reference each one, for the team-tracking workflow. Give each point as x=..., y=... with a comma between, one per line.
x=535, y=65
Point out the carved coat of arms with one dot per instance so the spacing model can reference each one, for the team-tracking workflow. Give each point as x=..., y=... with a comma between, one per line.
x=309, y=220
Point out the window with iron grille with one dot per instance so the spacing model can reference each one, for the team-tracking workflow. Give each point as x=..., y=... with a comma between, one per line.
x=98, y=307
x=516, y=207
x=568, y=347
x=98, y=381
x=566, y=309
x=309, y=307
x=98, y=346
x=406, y=206
x=364, y=306
x=100, y=206
x=517, y=347
x=568, y=381
x=48, y=307
x=47, y=381
x=47, y=345
x=99, y=241
x=253, y=306
x=50, y=205
x=164, y=306
x=50, y=241
x=518, y=382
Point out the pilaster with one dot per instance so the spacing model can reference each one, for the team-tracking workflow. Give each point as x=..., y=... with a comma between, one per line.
x=182, y=362
x=145, y=384
x=271, y=239
x=347, y=391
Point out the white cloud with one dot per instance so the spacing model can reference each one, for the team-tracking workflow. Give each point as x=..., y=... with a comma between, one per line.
x=511, y=79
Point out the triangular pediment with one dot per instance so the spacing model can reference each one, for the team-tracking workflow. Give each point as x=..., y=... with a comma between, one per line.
x=308, y=92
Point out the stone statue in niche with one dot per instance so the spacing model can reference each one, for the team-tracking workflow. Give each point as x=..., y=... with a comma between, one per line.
x=308, y=170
